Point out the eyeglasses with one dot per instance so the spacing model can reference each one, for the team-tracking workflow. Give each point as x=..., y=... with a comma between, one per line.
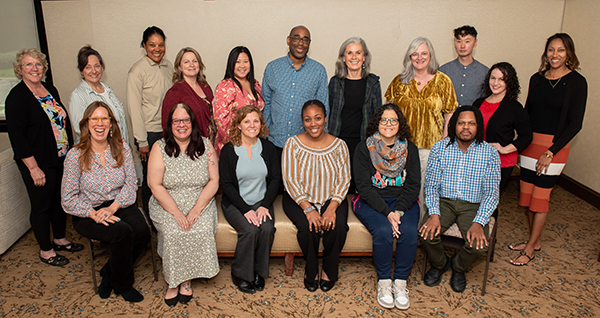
x=390, y=121
x=30, y=65
x=185, y=121
x=297, y=38
x=96, y=120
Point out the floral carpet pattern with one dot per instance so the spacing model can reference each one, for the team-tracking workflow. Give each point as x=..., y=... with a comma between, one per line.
x=562, y=280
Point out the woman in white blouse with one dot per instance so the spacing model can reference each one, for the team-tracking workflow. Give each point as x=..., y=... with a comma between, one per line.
x=316, y=175
x=91, y=89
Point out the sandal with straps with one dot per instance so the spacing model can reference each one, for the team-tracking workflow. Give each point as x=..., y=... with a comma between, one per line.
x=57, y=260
x=522, y=253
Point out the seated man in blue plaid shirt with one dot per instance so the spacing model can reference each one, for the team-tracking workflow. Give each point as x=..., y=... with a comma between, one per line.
x=461, y=186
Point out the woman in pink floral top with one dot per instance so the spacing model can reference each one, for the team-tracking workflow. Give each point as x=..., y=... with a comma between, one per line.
x=237, y=89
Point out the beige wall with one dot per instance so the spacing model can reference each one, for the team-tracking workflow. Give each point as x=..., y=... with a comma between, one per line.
x=581, y=22
x=510, y=30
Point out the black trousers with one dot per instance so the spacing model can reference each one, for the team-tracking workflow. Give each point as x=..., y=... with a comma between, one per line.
x=254, y=243
x=152, y=137
x=127, y=239
x=333, y=241
x=46, y=209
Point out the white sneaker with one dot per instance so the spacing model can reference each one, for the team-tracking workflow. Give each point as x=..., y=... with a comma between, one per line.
x=384, y=293
x=401, y=293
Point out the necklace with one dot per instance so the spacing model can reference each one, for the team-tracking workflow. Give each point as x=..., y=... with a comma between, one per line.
x=557, y=81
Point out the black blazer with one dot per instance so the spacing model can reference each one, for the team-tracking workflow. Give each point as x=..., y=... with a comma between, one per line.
x=229, y=182
x=29, y=129
x=509, y=116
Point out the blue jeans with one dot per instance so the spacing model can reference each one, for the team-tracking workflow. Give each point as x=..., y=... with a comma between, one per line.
x=380, y=228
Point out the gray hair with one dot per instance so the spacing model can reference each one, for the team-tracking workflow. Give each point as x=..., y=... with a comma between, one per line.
x=409, y=71
x=341, y=69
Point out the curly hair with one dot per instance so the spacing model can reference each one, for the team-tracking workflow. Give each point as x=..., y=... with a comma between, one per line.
x=509, y=74
x=34, y=53
x=403, y=128
x=572, y=60
x=85, y=143
x=454, y=120
x=195, y=148
x=235, y=135
x=178, y=74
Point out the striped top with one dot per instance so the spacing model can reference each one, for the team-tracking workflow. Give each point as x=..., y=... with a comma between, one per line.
x=316, y=175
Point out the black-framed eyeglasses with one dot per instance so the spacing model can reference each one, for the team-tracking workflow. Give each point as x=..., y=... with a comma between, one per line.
x=390, y=121
x=185, y=121
x=297, y=38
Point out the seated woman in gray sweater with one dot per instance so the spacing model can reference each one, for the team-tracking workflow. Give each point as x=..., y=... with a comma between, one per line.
x=388, y=179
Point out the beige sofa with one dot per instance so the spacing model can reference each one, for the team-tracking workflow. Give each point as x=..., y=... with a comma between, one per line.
x=14, y=202
x=358, y=241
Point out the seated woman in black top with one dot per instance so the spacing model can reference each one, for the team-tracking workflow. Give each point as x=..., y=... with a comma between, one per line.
x=388, y=179
x=250, y=174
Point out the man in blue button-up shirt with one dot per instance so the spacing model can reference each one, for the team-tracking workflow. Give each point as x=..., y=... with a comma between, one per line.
x=461, y=186
x=288, y=83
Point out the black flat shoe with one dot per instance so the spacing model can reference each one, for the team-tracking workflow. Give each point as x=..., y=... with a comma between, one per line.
x=172, y=301
x=105, y=287
x=259, y=282
x=326, y=285
x=433, y=277
x=130, y=294
x=57, y=260
x=184, y=299
x=71, y=247
x=243, y=285
x=311, y=285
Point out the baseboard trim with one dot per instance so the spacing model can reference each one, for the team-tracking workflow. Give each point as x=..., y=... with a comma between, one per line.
x=583, y=192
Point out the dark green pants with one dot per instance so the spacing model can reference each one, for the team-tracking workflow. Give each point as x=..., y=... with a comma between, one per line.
x=462, y=213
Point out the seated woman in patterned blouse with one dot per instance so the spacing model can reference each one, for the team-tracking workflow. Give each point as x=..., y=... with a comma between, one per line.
x=99, y=189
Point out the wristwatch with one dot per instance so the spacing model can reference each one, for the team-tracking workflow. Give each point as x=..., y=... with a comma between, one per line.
x=309, y=209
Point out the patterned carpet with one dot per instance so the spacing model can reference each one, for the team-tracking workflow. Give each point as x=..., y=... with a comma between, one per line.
x=562, y=281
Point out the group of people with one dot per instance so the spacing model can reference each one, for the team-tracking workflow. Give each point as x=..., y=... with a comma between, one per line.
x=438, y=152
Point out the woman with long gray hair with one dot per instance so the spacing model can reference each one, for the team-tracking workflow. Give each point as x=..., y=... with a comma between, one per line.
x=354, y=95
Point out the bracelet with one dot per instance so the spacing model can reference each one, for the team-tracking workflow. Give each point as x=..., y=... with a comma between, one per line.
x=401, y=212
x=548, y=154
x=309, y=209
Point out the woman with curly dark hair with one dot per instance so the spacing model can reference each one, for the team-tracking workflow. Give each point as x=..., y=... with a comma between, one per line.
x=388, y=178
x=503, y=115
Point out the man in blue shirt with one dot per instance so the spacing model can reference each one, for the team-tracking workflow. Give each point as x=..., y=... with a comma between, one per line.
x=288, y=83
x=461, y=186
x=466, y=73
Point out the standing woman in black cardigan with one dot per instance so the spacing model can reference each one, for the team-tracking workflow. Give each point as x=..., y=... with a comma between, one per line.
x=250, y=175
x=40, y=135
x=503, y=115
x=556, y=105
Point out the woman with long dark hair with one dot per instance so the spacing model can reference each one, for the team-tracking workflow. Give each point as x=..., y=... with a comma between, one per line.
x=184, y=177
x=503, y=115
x=237, y=89
x=556, y=105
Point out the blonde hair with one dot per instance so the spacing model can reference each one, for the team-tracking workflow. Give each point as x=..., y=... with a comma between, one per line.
x=178, y=75
x=36, y=54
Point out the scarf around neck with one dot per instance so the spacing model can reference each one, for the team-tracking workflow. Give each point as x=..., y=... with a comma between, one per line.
x=388, y=161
